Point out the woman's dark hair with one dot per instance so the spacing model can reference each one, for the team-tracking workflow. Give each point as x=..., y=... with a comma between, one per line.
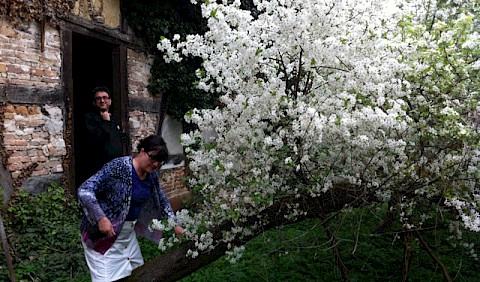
x=100, y=89
x=154, y=143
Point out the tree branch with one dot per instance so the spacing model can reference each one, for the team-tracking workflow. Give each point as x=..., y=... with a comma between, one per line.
x=174, y=264
x=434, y=257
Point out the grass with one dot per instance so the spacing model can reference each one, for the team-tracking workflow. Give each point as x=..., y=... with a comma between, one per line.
x=46, y=246
x=302, y=252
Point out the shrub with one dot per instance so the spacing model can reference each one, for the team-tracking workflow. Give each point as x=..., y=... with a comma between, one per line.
x=43, y=233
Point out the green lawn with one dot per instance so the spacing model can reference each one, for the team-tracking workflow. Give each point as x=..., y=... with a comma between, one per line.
x=48, y=249
x=302, y=252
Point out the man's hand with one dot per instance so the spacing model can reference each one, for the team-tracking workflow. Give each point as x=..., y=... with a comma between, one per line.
x=105, y=226
x=105, y=115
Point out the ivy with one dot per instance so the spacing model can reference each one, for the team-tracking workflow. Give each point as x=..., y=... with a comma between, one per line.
x=36, y=10
x=152, y=20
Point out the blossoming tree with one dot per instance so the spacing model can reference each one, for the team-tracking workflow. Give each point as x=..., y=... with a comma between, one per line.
x=331, y=105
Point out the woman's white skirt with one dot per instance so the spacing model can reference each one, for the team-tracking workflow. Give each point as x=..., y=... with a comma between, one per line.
x=119, y=261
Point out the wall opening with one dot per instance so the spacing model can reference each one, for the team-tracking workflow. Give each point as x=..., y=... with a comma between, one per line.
x=92, y=65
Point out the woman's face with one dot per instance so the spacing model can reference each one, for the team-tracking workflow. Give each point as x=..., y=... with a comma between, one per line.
x=150, y=161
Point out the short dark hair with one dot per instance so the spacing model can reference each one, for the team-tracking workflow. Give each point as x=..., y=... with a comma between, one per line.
x=100, y=89
x=154, y=143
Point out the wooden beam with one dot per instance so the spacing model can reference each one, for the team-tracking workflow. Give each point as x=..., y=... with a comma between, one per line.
x=24, y=94
x=115, y=36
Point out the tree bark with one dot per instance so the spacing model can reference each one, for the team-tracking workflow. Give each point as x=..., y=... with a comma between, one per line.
x=6, y=250
x=174, y=265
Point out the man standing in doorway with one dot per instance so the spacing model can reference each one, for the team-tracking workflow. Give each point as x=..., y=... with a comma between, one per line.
x=103, y=134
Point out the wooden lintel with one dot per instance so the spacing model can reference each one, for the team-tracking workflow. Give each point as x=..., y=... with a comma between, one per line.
x=25, y=94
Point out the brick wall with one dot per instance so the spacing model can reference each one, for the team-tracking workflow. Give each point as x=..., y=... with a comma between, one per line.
x=139, y=66
x=22, y=62
x=174, y=186
x=33, y=136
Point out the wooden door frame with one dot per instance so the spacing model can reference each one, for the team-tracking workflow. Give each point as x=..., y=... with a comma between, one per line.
x=120, y=86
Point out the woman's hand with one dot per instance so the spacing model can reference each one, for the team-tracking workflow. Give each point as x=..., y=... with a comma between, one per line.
x=105, y=226
x=179, y=231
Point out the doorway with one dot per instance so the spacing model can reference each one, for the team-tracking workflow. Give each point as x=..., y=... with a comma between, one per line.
x=94, y=62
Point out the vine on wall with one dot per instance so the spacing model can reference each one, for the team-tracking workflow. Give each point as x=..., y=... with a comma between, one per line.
x=175, y=81
x=49, y=11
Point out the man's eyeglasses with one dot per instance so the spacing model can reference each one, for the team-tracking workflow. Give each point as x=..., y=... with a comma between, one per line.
x=100, y=98
x=155, y=158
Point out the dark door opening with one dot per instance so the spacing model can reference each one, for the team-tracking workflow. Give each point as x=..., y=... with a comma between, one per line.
x=93, y=64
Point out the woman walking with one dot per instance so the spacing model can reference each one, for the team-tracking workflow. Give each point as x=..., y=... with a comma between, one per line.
x=119, y=201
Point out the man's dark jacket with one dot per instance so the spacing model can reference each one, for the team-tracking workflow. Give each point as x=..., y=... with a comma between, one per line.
x=104, y=141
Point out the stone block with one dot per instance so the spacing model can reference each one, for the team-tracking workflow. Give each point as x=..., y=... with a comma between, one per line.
x=8, y=31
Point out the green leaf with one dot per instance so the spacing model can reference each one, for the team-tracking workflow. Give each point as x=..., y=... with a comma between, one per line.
x=213, y=13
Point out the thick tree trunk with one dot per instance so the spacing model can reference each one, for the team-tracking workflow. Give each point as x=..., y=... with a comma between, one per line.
x=174, y=264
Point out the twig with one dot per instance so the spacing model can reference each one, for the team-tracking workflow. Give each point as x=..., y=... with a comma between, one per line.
x=434, y=257
x=336, y=252
x=407, y=255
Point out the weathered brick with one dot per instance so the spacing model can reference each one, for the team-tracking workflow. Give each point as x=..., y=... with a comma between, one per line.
x=39, y=135
x=18, y=153
x=9, y=115
x=21, y=143
x=50, y=80
x=9, y=60
x=10, y=109
x=34, y=151
x=38, y=142
x=40, y=172
x=16, y=69
x=50, y=73
x=39, y=159
x=7, y=52
x=22, y=110
x=8, y=31
x=19, y=49
x=14, y=167
x=27, y=57
x=36, y=72
x=14, y=160
x=23, y=64
x=33, y=110
x=36, y=122
x=8, y=141
x=9, y=136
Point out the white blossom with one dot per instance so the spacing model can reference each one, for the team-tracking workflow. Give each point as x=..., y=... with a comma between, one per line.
x=376, y=105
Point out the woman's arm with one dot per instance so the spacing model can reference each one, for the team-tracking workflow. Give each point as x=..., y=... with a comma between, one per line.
x=88, y=191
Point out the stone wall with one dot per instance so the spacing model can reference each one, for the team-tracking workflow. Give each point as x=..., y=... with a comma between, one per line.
x=33, y=139
x=142, y=124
